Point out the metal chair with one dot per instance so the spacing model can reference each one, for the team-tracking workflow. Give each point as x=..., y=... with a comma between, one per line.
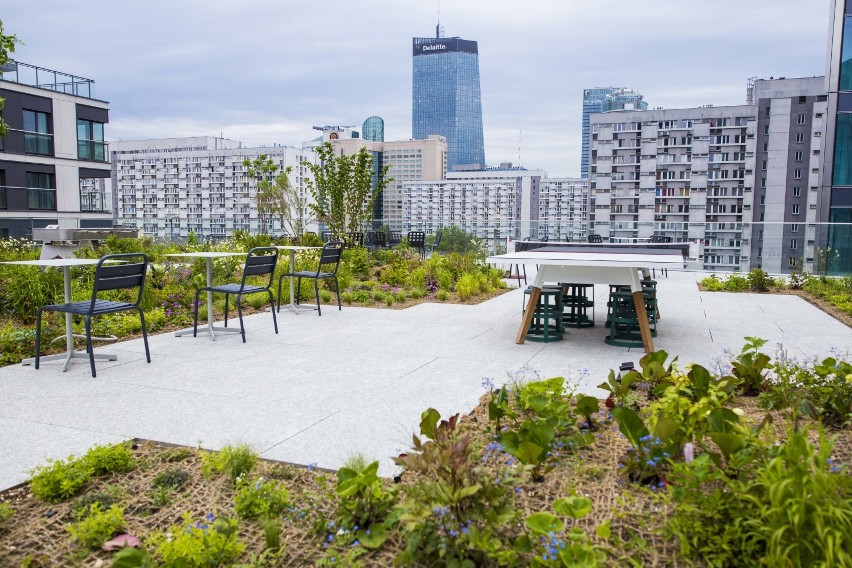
x=394, y=238
x=128, y=275
x=260, y=261
x=436, y=243
x=417, y=240
x=593, y=238
x=330, y=255
x=327, y=236
x=376, y=240
x=659, y=239
x=354, y=239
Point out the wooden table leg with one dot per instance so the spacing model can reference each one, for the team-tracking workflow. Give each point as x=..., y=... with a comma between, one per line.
x=528, y=315
x=642, y=316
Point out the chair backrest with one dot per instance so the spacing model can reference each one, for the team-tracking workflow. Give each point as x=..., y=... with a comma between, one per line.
x=129, y=273
x=416, y=239
x=544, y=239
x=355, y=239
x=656, y=239
x=593, y=238
x=395, y=238
x=327, y=236
x=331, y=253
x=260, y=260
x=379, y=239
x=437, y=240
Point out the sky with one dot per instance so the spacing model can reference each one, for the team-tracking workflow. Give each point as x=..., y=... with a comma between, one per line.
x=266, y=71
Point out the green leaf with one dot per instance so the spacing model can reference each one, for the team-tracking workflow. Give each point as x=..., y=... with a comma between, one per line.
x=604, y=530
x=574, y=507
x=131, y=558
x=630, y=424
x=429, y=423
x=528, y=453
x=373, y=537
x=468, y=491
x=700, y=379
x=587, y=405
x=722, y=420
x=666, y=428
x=544, y=523
x=728, y=443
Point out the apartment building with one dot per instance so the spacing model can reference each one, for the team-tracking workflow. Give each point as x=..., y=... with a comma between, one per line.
x=409, y=161
x=791, y=121
x=684, y=173
x=54, y=165
x=173, y=186
x=563, y=209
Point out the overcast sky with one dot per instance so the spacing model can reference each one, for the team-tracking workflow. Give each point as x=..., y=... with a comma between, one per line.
x=265, y=71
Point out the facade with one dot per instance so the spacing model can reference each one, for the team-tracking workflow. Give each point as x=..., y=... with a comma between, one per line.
x=373, y=129
x=446, y=98
x=790, y=125
x=604, y=99
x=684, y=173
x=835, y=210
x=54, y=164
x=173, y=186
x=498, y=204
x=409, y=161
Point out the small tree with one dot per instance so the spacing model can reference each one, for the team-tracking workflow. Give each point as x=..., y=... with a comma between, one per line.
x=342, y=188
x=261, y=169
x=7, y=46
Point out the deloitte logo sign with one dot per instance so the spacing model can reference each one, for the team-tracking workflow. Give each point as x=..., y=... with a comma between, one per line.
x=434, y=47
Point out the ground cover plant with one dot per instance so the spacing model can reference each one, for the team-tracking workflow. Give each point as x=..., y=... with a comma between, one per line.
x=678, y=467
x=395, y=278
x=832, y=294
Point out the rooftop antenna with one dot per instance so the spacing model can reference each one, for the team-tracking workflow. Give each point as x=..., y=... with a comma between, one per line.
x=520, y=136
x=438, y=27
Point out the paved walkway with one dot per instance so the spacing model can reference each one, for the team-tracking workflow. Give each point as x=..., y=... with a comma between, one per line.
x=356, y=380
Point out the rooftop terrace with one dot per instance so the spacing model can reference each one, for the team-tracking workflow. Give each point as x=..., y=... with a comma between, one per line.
x=357, y=380
x=26, y=74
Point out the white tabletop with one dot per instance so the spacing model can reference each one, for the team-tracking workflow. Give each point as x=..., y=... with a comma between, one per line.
x=296, y=247
x=591, y=258
x=206, y=254
x=56, y=262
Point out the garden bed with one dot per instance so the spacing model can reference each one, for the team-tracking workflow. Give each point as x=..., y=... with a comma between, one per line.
x=475, y=490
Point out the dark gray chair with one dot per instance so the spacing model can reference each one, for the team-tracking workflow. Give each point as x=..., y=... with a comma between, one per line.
x=327, y=236
x=330, y=256
x=659, y=239
x=128, y=275
x=593, y=238
x=417, y=240
x=376, y=240
x=394, y=238
x=260, y=261
x=436, y=243
x=354, y=239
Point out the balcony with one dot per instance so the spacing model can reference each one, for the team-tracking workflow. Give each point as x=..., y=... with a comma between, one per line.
x=26, y=74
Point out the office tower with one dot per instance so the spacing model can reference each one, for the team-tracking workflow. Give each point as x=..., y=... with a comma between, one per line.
x=683, y=173
x=603, y=99
x=446, y=98
x=172, y=186
x=373, y=129
x=409, y=161
x=835, y=209
x=790, y=122
x=54, y=165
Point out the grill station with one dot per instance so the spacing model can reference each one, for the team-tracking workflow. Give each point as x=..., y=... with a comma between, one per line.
x=62, y=243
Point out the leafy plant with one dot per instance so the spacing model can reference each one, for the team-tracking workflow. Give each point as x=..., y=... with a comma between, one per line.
x=620, y=391
x=750, y=367
x=105, y=499
x=211, y=542
x=587, y=407
x=828, y=396
x=576, y=549
x=172, y=478
x=442, y=295
x=259, y=498
x=234, y=461
x=6, y=513
x=98, y=525
x=363, y=502
x=65, y=478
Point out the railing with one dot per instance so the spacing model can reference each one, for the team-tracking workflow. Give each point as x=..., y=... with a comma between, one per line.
x=27, y=74
x=94, y=202
x=93, y=150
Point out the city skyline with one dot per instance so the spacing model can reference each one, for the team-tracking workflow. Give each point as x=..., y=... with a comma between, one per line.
x=265, y=73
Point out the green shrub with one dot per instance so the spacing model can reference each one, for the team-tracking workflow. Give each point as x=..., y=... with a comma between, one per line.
x=233, y=461
x=389, y=300
x=62, y=479
x=467, y=287
x=259, y=498
x=442, y=295
x=378, y=296
x=347, y=297
x=211, y=542
x=6, y=512
x=417, y=293
x=98, y=526
x=105, y=499
x=109, y=459
x=712, y=283
x=759, y=280
x=326, y=296
x=400, y=296
x=417, y=278
x=172, y=478
x=444, y=278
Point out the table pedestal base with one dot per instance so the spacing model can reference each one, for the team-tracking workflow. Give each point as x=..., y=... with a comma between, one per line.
x=68, y=357
x=208, y=329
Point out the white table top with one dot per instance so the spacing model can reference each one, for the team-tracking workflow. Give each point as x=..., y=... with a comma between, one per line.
x=591, y=258
x=56, y=262
x=296, y=247
x=206, y=254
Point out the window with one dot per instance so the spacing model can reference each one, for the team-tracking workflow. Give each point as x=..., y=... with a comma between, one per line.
x=800, y=119
x=795, y=209
x=800, y=137
x=797, y=173
x=794, y=244
x=90, y=140
x=768, y=110
x=765, y=146
x=797, y=191
x=763, y=165
x=37, y=137
x=794, y=228
x=803, y=100
x=799, y=156
x=766, y=129
x=41, y=191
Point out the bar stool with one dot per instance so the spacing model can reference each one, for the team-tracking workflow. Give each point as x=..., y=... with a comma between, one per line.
x=546, y=325
x=623, y=322
x=576, y=303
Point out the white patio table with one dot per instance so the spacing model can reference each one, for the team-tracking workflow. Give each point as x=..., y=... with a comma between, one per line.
x=65, y=264
x=292, y=250
x=618, y=266
x=208, y=257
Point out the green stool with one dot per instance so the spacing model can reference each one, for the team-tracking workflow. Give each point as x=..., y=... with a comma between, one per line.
x=546, y=325
x=576, y=304
x=623, y=321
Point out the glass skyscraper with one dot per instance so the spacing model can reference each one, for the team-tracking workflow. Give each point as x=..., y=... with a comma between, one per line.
x=373, y=129
x=603, y=99
x=446, y=98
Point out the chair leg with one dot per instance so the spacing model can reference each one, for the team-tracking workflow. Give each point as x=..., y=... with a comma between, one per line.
x=89, y=344
x=240, y=313
x=226, y=309
x=280, y=279
x=525, y=274
x=316, y=293
x=195, y=315
x=144, y=335
x=272, y=309
x=337, y=291
x=38, y=338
